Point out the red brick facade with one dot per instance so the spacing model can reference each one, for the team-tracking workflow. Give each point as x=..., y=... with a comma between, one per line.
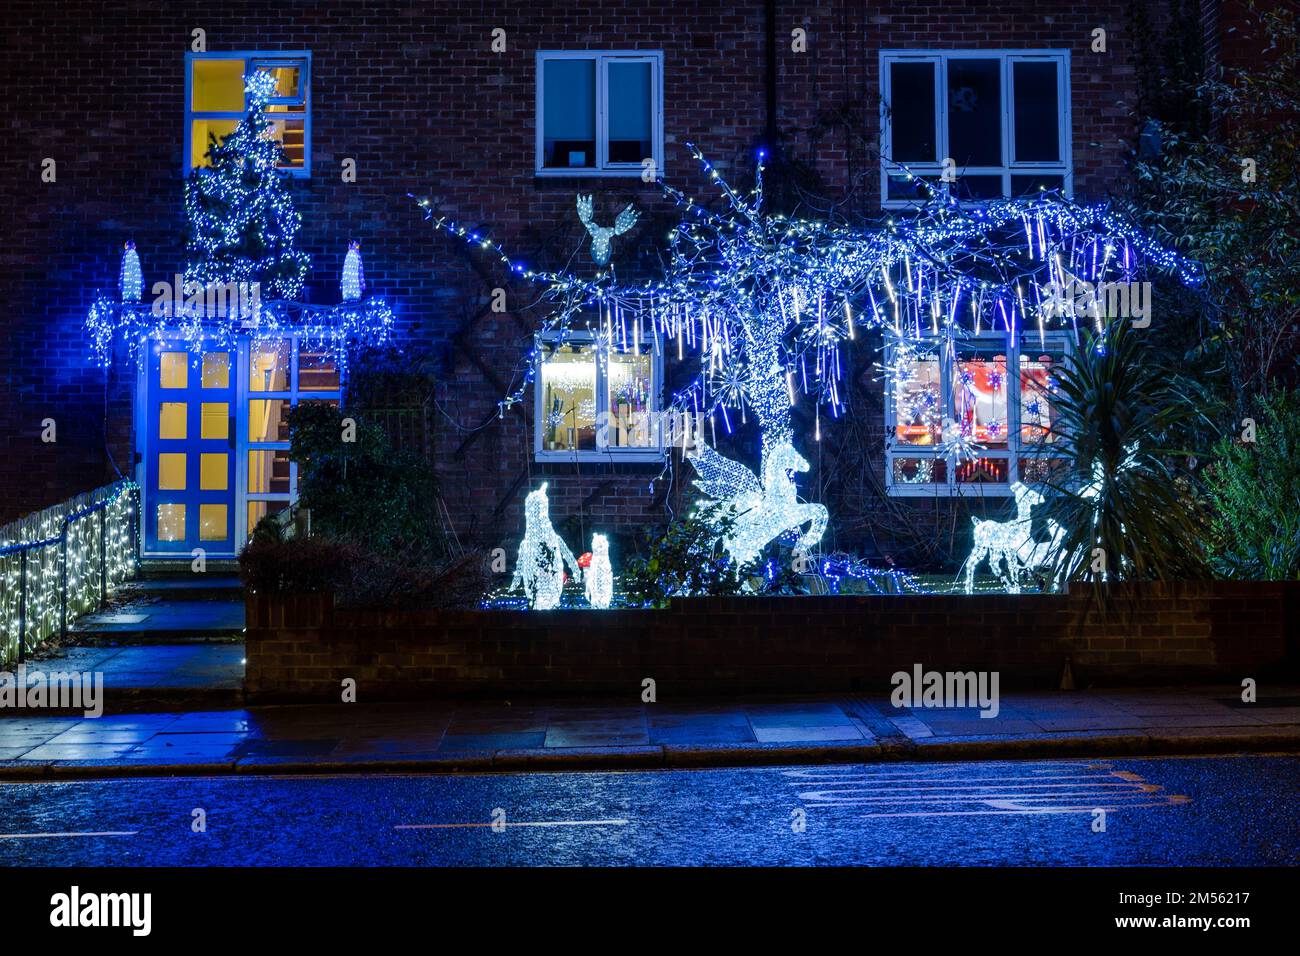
x=301, y=647
x=413, y=92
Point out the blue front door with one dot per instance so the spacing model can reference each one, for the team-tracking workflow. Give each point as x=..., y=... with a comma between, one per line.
x=189, y=450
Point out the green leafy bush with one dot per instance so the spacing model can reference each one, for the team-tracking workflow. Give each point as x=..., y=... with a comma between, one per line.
x=363, y=490
x=1255, y=490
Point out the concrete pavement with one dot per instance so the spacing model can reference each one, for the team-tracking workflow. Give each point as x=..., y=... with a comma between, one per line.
x=461, y=736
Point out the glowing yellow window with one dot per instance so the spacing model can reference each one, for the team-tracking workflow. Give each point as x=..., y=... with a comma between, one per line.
x=218, y=86
x=268, y=369
x=216, y=369
x=213, y=523
x=202, y=134
x=214, y=471
x=171, y=471
x=171, y=420
x=173, y=369
x=171, y=522
x=215, y=420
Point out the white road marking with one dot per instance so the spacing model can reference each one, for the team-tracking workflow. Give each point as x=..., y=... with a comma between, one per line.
x=89, y=833
x=513, y=823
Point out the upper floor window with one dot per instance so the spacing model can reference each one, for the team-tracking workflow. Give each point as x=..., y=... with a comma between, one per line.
x=214, y=102
x=598, y=402
x=996, y=388
x=982, y=124
x=599, y=114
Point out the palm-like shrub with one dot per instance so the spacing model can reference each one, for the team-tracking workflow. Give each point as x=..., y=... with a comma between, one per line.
x=1126, y=507
x=1255, y=489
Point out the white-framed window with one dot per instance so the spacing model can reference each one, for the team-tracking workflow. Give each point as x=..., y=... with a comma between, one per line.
x=599, y=113
x=983, y=124
x=214, y=102
x=598, y=402
x=996, y=389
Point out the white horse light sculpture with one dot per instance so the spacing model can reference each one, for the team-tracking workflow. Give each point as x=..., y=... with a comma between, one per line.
x=539, y=568
x=764, y=509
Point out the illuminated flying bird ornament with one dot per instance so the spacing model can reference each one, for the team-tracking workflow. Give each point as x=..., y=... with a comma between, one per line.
x=601, y=235
x=539, y=568
x=763, y=510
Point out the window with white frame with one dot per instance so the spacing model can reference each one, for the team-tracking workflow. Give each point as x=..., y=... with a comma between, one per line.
x=596, y=402
x=599, y=114
x=215, y=103
x=983, y=124
x=996, y=390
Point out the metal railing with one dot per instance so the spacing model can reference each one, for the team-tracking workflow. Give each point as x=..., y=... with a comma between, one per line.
x=64, y=561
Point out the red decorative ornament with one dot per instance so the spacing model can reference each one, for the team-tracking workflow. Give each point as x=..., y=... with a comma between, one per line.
x=584, y=559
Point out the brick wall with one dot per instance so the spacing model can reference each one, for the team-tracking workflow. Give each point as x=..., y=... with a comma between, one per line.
x=300, y=647
x=413, y=93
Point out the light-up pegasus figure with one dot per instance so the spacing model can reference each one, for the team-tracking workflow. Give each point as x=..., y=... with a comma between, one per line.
x=542, y=555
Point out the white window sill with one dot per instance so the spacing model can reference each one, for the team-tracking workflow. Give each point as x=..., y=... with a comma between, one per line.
x=637, y=456
x=631, y=172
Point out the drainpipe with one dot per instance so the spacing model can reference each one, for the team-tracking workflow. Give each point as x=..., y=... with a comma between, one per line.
x=769, y=78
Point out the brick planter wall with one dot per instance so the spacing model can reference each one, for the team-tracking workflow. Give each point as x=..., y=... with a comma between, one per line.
x=300, y=647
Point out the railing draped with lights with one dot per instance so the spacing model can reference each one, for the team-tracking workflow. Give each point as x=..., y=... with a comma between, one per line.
x=61, y=562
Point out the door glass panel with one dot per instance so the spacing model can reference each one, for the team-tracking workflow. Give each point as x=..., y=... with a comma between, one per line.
x=173, y=369
x=213, y=523
x=171, y=522
x=317, y=371
x=268, y=471
x=171, y=471
x=268, y=420
x=257, y=510
x=216, y=369
x=213, y=471
x=215, y=420
x=171, y=420
x=269, y=367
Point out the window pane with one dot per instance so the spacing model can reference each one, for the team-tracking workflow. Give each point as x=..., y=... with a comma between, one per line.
x=569, y=400
x=979, y=394
x=171, y=522
x=173, y=369
x=216, y=369
x=257, y=510
x=213, y=471
x=630, y=402
x=268, y=420
x=975, y=112
x=215, y=420
x=1036, y=413
x=629, y=112
x=1042, y=470
x=569, y=113
x=920, y=471
x=213, y=523
x=171, y=420
x=171, y=471
x=918, y=405
x=202, y=132
x=983, y=471
x=911, y=113
x=292, y=134
x=268, y=369
x=317, y=371
x=911, y=190
x=288, y=83
x=268, y=472
x=978, y=187
x=1037, y=132
x=1030, y=185
x=218, y=86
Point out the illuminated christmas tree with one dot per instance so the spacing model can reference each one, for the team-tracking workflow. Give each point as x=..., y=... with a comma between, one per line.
x=241, y=225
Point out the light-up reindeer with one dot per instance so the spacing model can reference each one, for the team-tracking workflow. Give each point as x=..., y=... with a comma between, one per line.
x=542, y=555
x=1003, y=541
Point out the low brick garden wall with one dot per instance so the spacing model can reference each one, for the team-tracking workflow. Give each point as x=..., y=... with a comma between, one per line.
x=300, y=647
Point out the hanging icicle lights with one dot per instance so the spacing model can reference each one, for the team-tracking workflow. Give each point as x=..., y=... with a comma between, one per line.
x=767, y=302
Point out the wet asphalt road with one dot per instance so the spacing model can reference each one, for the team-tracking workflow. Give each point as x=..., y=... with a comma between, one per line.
x=1194, y=811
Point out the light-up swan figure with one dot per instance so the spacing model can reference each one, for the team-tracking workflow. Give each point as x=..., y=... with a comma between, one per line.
x=542, y=555
x=763, y=510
